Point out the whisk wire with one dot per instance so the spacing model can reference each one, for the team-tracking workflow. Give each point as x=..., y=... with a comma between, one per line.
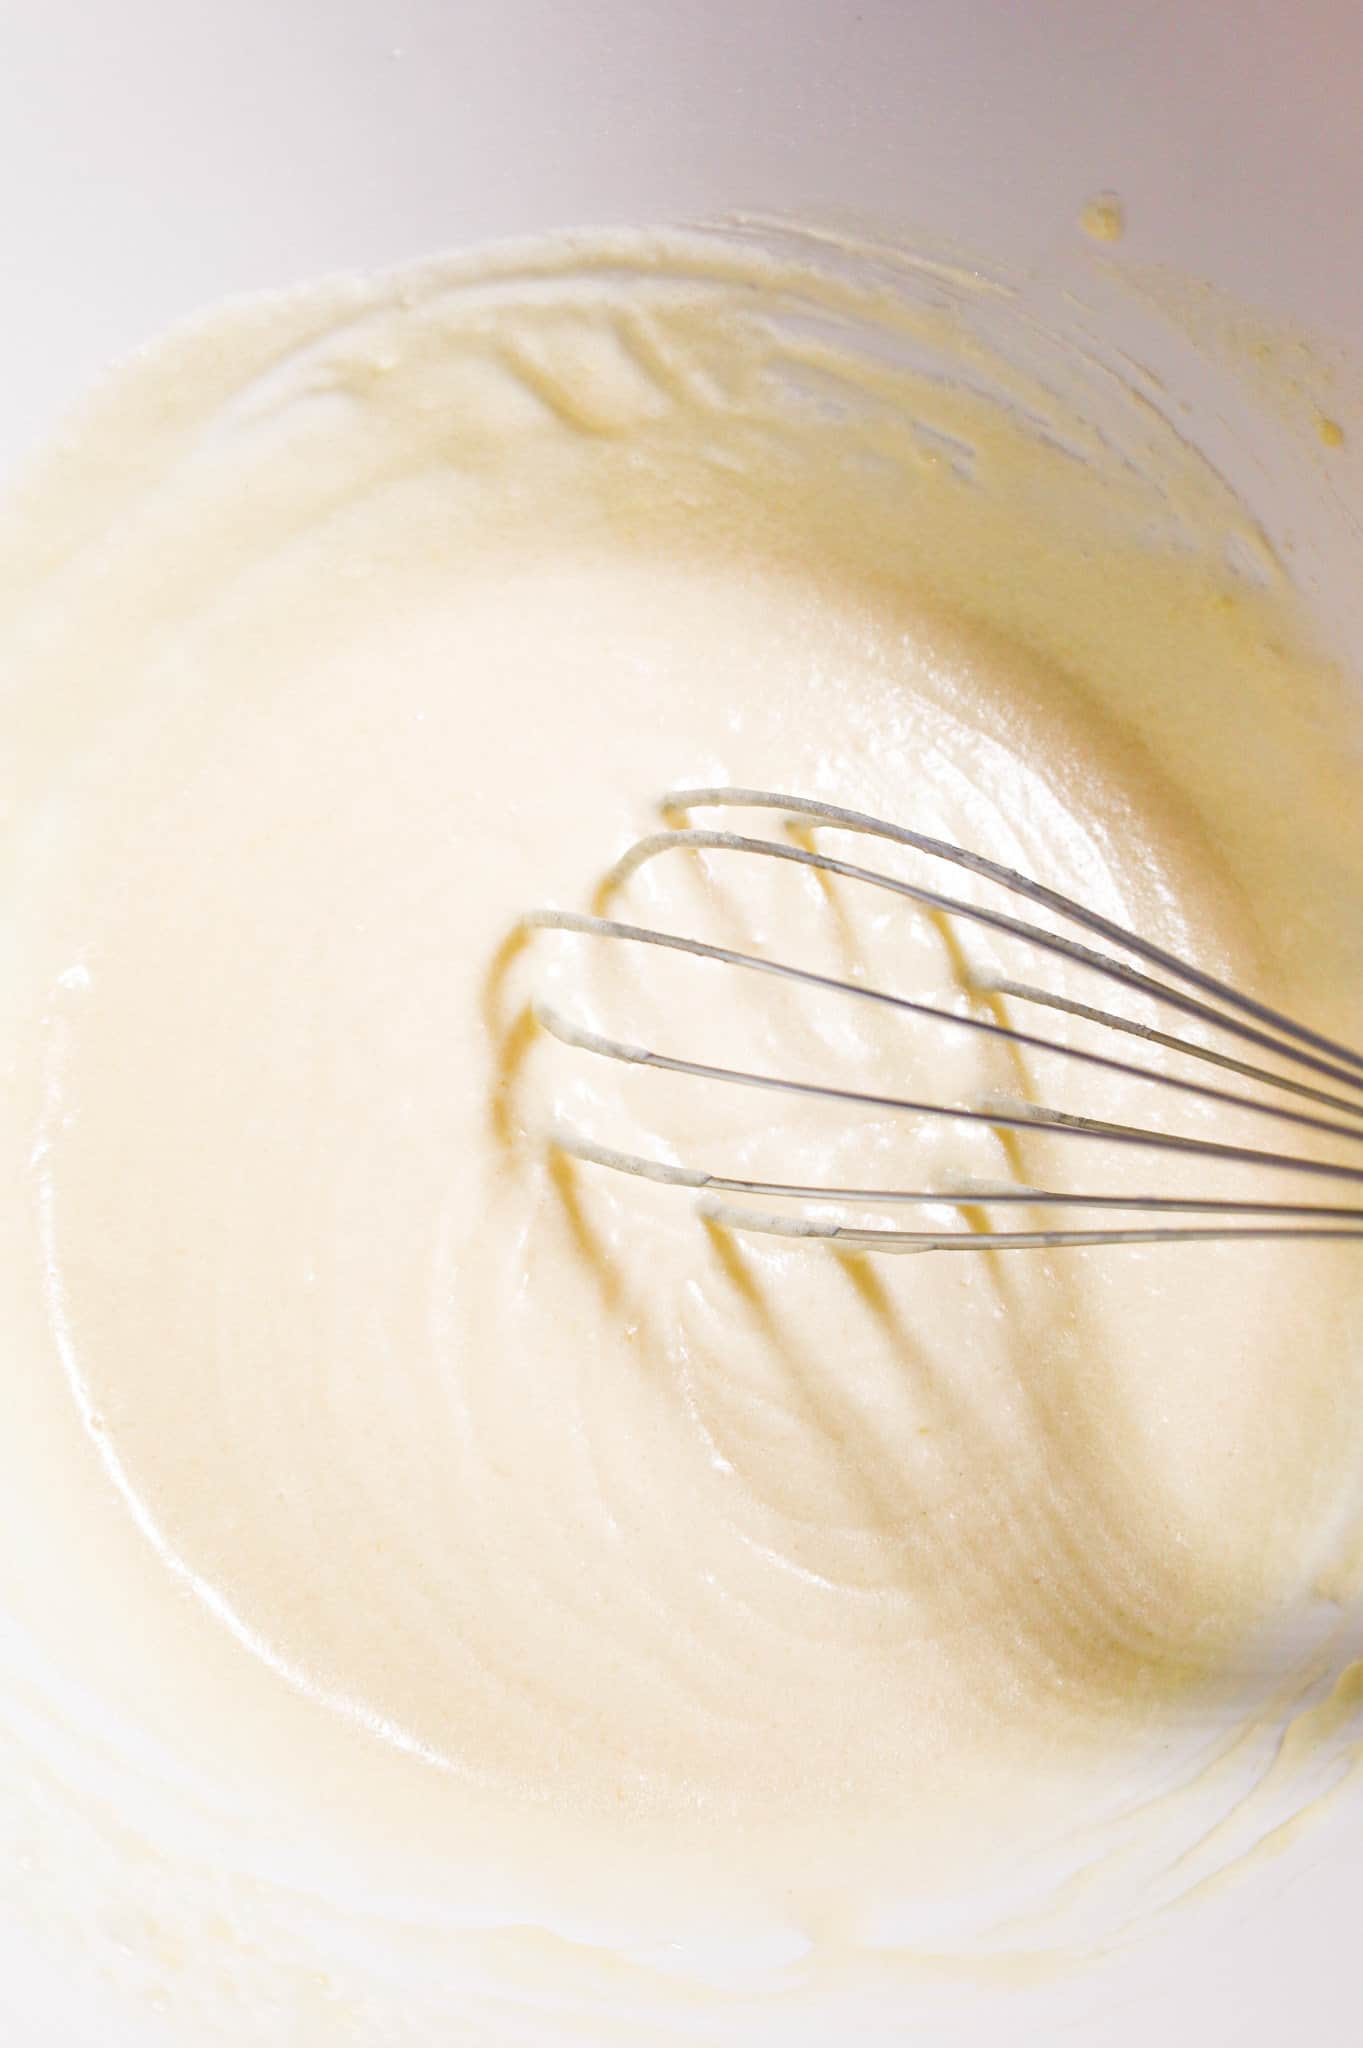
x=686, y=800
x=1217, y=1004
x=1045, y=941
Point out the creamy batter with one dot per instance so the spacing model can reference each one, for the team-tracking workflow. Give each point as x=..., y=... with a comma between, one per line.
x=436, y=1521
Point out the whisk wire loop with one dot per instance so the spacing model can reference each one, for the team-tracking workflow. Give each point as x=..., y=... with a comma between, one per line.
x=1216, y=1004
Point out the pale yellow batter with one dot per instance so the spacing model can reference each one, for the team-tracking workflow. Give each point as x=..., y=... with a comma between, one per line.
x=479, y=1543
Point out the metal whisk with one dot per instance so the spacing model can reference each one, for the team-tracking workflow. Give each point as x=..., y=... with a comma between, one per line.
x=1322, y=1073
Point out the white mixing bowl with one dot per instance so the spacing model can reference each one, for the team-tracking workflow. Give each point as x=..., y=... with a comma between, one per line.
x=156, y=157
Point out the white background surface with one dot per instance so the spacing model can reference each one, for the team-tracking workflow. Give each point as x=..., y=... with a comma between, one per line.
x=155, y=156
